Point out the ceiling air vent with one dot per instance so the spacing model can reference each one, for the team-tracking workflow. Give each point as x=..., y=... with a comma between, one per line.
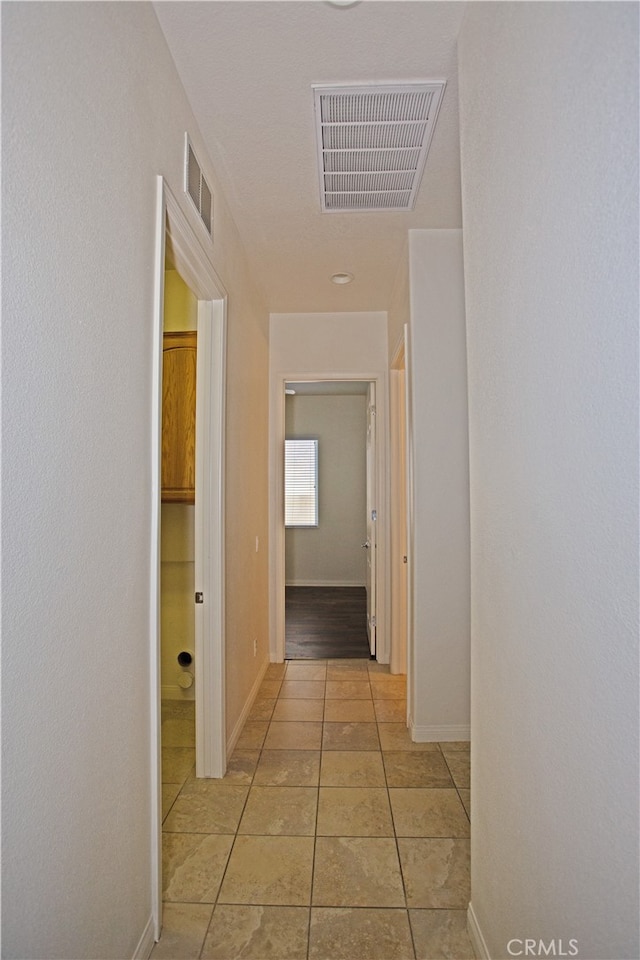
x=197, y=187
x=373, y=143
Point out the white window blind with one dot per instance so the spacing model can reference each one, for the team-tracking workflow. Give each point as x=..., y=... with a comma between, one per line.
x=301, y=483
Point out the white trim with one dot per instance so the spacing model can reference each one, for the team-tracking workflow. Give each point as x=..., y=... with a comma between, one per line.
x=478, y=941
x=196, y=269
x=276, y=512
x=325, y=583
x=191, y=260
x=146, y=942
x=246, y=710
x=440, y=733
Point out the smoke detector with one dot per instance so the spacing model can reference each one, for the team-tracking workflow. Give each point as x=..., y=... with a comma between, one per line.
x=373, y=143
x=342, y=278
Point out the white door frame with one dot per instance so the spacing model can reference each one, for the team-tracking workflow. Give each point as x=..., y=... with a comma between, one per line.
x=277, y=529
x=196, y=269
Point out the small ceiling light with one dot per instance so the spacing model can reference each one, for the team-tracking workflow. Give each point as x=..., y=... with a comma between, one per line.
x=342, y=278
x=290, y=393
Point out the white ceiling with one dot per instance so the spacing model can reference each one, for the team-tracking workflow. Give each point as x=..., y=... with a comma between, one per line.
x=248, y=68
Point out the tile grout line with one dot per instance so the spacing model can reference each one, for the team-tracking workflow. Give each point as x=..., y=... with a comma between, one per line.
x=453, y=780
x=400, y=868
x=231, y=849
x=375, y=750
x=235, y=836
x=315, y=830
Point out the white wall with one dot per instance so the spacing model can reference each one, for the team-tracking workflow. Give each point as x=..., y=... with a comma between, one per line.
x=324, y=346
x=399, y=305
x=347, y=344
x=439, y=560
x=92, y=113
x=331, y=553
x=550, y=202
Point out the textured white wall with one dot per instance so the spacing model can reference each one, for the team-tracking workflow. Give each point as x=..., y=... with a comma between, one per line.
x=440, y=573
x=343, y=343
x=332, y=553
x=92, y=113
x=549, y=124
x=399, y=305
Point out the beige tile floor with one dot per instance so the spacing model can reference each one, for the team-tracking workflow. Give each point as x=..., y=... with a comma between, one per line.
x=332, y=836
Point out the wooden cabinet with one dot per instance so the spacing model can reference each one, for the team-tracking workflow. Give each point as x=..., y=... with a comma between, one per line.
x=179, y=417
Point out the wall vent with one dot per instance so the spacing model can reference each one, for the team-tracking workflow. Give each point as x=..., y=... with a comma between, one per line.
x=197, y=188
x=373, y=143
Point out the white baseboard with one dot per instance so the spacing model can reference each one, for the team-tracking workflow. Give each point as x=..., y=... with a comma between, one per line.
x=246, y=710
x=324, y=583
x=478, y=942
x=171, y=691
x=444, y=733
x=145, y=943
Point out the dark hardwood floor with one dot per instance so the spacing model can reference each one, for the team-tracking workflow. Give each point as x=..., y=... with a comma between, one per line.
x=322, y=622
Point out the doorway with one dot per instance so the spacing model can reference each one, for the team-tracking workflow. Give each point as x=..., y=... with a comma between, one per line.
x=178, y=244
x=178, y=491
x=177, y=524
x=330, y=536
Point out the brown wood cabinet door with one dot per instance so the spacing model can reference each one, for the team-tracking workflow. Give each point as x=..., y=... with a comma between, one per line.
x=179, y=417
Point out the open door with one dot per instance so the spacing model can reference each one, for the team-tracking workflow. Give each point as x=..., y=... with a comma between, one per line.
x=370, y=544
x=398, y=512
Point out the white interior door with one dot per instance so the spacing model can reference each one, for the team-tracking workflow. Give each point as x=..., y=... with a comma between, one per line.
x=211, y=758
x=372, y=515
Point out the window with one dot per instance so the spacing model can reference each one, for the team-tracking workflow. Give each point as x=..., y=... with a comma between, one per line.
x=301, y=483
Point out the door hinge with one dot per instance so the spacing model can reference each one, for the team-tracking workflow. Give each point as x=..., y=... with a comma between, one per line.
x=374, y=622
x=374, y=515
x=199, y=597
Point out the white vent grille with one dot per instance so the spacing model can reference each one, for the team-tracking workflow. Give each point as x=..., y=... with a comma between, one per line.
x=197, y=188
x=373, y=143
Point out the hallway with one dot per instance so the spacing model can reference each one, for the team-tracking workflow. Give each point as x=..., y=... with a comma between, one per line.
x=332, y=835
